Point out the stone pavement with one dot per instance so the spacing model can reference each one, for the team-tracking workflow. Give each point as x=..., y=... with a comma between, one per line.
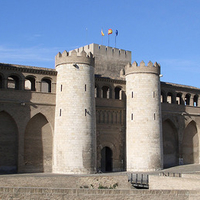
x=84, y=181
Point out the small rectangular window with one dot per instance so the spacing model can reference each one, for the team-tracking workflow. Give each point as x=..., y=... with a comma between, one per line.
x=85, y=87
x=60, y=112
x=131, y=116
x=61, y=88
x=154, y=116
x=154, y=94
x=132, y=95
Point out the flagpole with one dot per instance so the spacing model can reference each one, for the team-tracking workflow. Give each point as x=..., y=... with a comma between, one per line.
x=109, y=32
x=86, y=36
x=116, y=34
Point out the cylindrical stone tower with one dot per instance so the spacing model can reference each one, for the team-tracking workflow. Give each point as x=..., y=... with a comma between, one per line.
x=144, y=128
x=74, y=137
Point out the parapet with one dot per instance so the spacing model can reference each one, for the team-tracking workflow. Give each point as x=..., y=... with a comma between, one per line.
x=74, y=57
x=112, y=53
x=142, y=68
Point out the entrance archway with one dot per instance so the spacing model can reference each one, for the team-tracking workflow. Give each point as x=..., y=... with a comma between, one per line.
x=106, y=159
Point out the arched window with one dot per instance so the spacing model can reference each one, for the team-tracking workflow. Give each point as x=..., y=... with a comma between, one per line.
x=187, y=99
x=169, y=97
x=46, y=85
x=195, y=100
x=30, y=83
x=13, y=82
x=118, y=93
x=179, y=99
x=106, y=92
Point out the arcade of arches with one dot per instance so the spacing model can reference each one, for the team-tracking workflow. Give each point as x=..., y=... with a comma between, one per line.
x=184, y=146
x=37, y=144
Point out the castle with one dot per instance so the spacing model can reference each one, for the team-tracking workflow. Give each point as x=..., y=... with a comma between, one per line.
x=95, y=112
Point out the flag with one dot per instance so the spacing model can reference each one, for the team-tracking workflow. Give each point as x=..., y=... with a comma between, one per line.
x=116, y=32
x=102, y=32
x=110, y=31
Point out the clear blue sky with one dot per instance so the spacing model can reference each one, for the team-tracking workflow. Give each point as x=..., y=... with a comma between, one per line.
x=32, y=32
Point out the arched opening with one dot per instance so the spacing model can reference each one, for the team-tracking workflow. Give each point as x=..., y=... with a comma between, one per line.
x=30, y=83
x=190, y=145
x=46, y=85
x=195, y=100
x=187, y=99
x=169, y=97
x=13, y=82
x=8, y=144
x=179, y=99
x=106, y=159
x=38, y=145
x=170, y=144
x=96, y=91
x=118, y=93
x=163, y=97
x=106, y=92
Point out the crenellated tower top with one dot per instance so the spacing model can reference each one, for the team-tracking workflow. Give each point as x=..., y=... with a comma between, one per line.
x=142, y=68
x=74, y=57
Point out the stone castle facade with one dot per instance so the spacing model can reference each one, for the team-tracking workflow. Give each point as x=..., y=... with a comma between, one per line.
x=95, y=112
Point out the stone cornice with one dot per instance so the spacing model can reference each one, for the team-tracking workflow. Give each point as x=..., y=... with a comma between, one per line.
x=28, y=69
x=109, y=80
x=174, y=86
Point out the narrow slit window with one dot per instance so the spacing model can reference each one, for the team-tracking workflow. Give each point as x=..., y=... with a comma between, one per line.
x=154, y=116
x=154, y=94
x=61, y=88
x=85, y=87
x=60, y=112
x=132, y=95
x=131, y=116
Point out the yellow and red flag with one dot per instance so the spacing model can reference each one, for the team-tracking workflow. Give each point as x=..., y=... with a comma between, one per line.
x=102, y=32
x=110, y=31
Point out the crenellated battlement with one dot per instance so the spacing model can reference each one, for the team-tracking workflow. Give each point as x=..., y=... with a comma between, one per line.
x=74, y=56
x=113, y=53
x=142, y=68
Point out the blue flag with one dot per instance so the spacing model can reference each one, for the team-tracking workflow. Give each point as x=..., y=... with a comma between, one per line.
x=116, y=32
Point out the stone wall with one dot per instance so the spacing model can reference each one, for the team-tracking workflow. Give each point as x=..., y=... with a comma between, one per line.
x=88, y=194
x=26, y=117
x=108, y=61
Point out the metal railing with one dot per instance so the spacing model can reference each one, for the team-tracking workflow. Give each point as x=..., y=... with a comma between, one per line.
x=139, y=180
x=170, y=174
